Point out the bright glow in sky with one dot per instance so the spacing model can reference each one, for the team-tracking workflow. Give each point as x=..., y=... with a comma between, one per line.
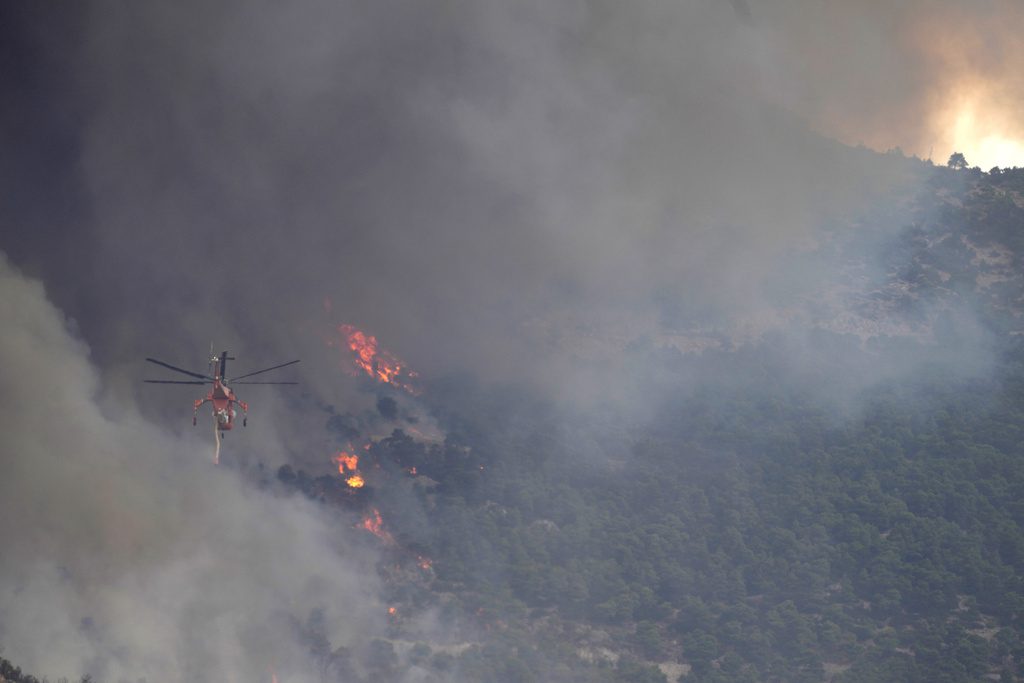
x=930, y=77
x=972, y=55
x=983, y=146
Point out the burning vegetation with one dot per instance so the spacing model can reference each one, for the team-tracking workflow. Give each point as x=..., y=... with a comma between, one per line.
x=391, y=461
x=348, y=468
x=373, y=523
x=366, y=355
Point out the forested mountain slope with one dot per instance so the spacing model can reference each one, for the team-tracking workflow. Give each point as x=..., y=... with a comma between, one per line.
x=754, y=514
x=743, y=528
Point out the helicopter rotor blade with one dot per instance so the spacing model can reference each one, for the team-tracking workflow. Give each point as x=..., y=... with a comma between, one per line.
x=234, y=383
x=171, y=381
x=259, y=372
x=176, y=369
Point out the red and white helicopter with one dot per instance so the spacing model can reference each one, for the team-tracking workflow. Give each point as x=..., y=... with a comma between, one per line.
x=221, y=395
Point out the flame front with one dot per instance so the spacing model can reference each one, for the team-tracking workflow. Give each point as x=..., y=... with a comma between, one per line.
x=348, y=467
x=375, y=525
x=365, y=348
x=375, y=361
x=346, y=462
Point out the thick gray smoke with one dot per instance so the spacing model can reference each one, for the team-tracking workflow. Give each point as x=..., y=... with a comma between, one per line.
x=126, y=554
x=521, y=190
x=450, y=175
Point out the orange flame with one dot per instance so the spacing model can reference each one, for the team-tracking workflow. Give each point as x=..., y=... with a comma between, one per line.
x=375, y=525
x=348, y=467
x=392, y=610
x=346, y=462
x=373, y=522
x=375, y=361
x=423, y=562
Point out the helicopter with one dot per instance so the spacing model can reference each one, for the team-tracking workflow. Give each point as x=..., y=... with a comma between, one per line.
x=221, y=395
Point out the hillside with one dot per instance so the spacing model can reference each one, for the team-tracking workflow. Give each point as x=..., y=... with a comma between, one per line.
x=742, y=529
x=847, y=508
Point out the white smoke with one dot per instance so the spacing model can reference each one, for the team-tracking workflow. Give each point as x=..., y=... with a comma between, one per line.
x=124, y=553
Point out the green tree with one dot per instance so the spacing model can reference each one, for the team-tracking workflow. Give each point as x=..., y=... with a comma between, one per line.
x=956, y=161
x=649, y=639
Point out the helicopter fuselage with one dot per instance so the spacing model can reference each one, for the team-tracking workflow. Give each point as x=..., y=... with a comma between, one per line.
x=220, y=395
x=224, y=401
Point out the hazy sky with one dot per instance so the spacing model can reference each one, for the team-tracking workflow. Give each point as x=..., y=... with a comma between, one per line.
x=928, y=77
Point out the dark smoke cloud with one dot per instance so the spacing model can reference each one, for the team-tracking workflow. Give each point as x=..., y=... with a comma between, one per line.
x=445, y=174
x=486, y=188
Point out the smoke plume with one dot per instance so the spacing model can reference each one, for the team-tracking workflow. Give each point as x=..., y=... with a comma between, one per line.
x=126, y=554
x=449, y=175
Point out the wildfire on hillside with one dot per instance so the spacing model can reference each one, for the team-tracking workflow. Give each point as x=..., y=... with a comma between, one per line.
x=346, y=462
x=348, y=467
x=403, y=557
x=373, y=523
x=351, y=463
x=368, y=356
